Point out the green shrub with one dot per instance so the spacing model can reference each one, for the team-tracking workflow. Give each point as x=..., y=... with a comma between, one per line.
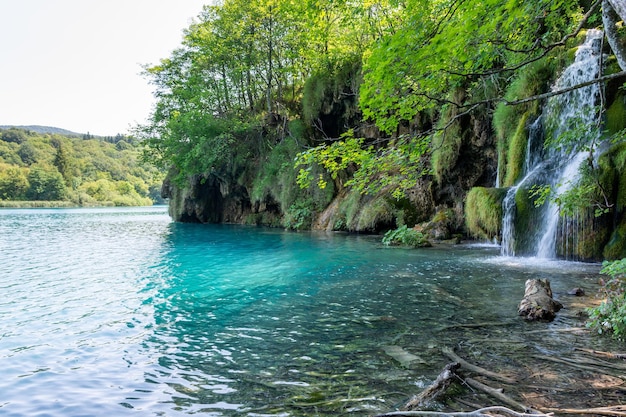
x=610, y=315
x=299, y=216
x=405, y=236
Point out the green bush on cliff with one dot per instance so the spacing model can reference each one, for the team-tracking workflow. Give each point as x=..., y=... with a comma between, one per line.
x=483, y=211
x=325, y=88
x=403, y=235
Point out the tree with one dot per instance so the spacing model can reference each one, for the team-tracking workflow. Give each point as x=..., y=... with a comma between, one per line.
x=13, y=182
x=45, y=184
x=62, y=162
x=612, y=12
x=13, y=135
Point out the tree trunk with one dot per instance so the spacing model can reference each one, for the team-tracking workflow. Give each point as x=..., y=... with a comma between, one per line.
x=538, y=303
x=620, y=8
x=610, y=16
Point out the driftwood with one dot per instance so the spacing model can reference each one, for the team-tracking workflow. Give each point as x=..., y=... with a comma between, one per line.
x=538, y=303
x=477, y=369
x=481, y=412
x=610, y=355
x=615, y=410
x=596, y=367
x=497, y=394
x=436, y=389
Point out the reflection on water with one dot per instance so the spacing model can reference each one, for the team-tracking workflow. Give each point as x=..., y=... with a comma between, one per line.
x=113, y=312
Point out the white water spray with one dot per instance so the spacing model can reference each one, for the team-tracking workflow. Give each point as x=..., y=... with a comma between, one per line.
x=560, y=169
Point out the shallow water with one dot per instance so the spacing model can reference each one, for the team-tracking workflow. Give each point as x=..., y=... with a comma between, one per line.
x=122, y=312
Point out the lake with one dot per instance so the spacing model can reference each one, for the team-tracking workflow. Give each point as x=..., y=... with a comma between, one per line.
x=119, y=311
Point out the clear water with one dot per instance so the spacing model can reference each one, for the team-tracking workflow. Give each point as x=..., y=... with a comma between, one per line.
x=122, y=312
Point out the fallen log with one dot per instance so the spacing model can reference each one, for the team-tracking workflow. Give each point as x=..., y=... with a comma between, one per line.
x=436, y=389
x=477, y=369
x=538, y=303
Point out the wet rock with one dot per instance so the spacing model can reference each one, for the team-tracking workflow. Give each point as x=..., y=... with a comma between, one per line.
x=578, y=292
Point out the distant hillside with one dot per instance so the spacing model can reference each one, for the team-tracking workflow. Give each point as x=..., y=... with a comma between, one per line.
x=69, y=167
x=44, y=129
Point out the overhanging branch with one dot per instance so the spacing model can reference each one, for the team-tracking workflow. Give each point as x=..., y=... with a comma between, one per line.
x=549, y=94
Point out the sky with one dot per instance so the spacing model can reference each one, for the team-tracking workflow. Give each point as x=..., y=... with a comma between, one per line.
x=76, y=64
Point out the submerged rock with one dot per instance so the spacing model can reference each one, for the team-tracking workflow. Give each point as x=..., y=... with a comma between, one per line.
x=578, y=292
x=401, y=355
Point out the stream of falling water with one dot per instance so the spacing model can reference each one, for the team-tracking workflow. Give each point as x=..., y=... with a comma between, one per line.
x=563, y=114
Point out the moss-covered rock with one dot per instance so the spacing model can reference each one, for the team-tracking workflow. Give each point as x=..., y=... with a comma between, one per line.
x=613, y=180
x=516, y=152
x=483, y=211
x=441, y=226
x=527, y=222
x=510, y=122
x=616, y=114
x=616, y=247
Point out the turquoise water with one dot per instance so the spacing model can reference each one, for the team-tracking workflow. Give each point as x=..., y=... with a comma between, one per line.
x=122, y=312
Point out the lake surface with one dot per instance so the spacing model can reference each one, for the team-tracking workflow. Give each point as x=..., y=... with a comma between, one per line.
x=118, y=312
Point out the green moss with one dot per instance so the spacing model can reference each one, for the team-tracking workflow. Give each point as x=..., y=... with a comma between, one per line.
x=616, y=248
x=613, y=179
x=364, y=213
x=532, y=80
x=445, y=151
x=616, y=114
x=375, y=215
x=349, y=209
x=483, y=211
x=590, y=242
x=527, y=221
x=325, y=88
x=447, y=142
x=516, y=152
x=613, y=174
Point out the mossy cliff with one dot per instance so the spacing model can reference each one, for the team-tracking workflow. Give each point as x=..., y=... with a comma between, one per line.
x=483, y=212
x=593, y=225
x=469, y=153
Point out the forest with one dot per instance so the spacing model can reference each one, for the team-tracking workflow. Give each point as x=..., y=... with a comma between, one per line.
x=394, y=111
x=51, y=169
x=422, y=119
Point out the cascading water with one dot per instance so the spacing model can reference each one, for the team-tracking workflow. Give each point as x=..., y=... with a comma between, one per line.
x=532, y=169
x=560, y=167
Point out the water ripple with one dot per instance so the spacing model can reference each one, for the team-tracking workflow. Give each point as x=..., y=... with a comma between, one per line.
x=121, y=312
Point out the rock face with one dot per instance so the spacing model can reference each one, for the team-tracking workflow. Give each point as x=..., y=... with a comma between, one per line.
x=538, y=303
x=207, y=199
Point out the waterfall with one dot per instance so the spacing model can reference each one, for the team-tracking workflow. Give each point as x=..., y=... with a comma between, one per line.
x=559, y=168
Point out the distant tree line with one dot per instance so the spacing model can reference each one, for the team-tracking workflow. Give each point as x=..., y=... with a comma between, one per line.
x=84, y=171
